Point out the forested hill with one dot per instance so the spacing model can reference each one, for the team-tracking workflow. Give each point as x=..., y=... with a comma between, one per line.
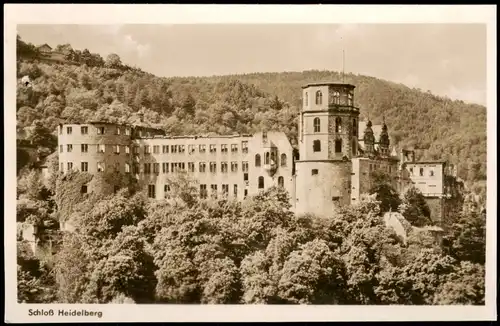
x=79, y=86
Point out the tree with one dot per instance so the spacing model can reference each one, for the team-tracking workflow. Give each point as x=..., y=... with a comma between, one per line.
x=312, y=275
x=466, y=239
x=416, y=210
x=72, y=267
x=86, y=57
x=388, y=197
x=465, y=286
x=108, y=216
x=183, y=187
x=125, y=269
x=113, y=61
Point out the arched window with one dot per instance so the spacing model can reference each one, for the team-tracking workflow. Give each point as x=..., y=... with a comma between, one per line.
x=273, y=158
x=306, y=99
x=261, y=182
x=338, y=124
x=257, y=160
x=350, y=101
x=319, y=97
x=338, y=146
x=317, y=127
x=431, y=173
x=266, y=158
x=354, y=128
x=283, y=159
x=316, y=146
x=281, y=182
x=354, y=147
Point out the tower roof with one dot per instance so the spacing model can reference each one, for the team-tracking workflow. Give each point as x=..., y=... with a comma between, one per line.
x=377, y=129
x=326, y=83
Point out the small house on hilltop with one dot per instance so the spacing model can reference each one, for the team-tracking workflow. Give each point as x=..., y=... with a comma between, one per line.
x=44, y=48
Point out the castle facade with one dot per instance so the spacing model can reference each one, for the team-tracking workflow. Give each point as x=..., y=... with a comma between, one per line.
x=337, y=157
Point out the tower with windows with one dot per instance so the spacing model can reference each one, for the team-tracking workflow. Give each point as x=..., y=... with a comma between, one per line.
x=328, y=139
x=384, y=141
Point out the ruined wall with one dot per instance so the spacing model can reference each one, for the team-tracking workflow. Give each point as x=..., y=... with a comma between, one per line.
x=320, y=193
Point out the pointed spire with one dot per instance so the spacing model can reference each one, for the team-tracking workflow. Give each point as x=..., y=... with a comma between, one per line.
x=384, y=138
x=384, y=126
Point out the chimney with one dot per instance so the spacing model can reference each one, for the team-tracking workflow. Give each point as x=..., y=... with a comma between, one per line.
x=141, y=117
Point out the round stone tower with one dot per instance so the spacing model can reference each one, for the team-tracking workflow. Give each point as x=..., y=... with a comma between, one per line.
x=328, y=133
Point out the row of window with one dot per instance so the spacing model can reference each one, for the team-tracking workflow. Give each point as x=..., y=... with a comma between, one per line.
x=338, y=125
x=166, y=167
x=173, y=167
x=334, y=98
x=101, y=148
x=213, y=189
x=421, y=172
x=84, y=130
x=317, y=145
x=270, y=158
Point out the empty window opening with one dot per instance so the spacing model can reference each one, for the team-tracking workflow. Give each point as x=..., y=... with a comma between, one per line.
x=281, y=182
x=266, y=158
x=319, y=97
x=257, y=160
x=317, y=126
x=338, y=146
x=338, y=124
x=316, y=146
x=151, y=191
x=261, y=182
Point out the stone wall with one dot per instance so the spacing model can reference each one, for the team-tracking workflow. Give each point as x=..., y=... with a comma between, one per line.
x=323, y=190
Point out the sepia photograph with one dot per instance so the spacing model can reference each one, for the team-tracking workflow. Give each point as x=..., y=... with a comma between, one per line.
x=252, y=164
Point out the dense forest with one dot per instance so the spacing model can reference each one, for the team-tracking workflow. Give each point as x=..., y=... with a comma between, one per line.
x=128, y=249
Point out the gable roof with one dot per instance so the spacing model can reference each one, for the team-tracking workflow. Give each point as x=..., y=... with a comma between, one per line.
x=44, y=46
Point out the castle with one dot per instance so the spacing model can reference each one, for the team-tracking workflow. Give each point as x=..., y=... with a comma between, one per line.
x=337, y=157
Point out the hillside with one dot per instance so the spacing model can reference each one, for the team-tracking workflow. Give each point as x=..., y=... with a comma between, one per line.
x=107, y=89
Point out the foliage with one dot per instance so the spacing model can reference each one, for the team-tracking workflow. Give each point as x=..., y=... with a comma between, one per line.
x=386, y=194
x=416, y=210
x=35, y=282
x=465, y=286
x=466, y=239
x=69, y=192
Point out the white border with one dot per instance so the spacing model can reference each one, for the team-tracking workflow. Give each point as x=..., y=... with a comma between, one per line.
x=191, y=14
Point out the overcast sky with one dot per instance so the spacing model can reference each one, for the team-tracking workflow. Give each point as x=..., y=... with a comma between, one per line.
x=447, y=59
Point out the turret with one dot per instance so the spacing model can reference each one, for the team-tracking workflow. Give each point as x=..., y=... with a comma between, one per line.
x=384, y=141
x=369, y=139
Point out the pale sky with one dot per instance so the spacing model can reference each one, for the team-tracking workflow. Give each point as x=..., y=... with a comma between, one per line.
x=447, y=59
